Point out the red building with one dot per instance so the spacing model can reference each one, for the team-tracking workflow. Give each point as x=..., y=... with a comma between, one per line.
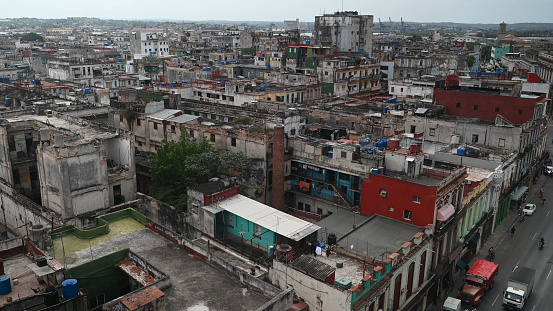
x=419, y=195
x=486, y=106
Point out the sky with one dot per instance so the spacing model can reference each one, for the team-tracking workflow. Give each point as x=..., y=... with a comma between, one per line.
x=462, y=11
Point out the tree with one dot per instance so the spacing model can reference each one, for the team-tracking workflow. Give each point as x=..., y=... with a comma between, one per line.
x=470, y=61
x=187, y=162
x=151, y=59
x=32, y=36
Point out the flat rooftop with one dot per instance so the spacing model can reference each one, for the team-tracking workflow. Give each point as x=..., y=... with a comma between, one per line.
x=196, y=285
x=16, y=268
x=376, y=237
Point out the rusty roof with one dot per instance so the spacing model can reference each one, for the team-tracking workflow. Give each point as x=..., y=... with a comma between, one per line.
x=143, y=298
x=135, y=272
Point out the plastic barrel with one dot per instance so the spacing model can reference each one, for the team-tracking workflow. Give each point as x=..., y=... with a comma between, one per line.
x=70, y=288
x=5, y=284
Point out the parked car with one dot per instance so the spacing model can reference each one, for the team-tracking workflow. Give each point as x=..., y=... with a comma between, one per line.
x=529, y=209
x=548, y=170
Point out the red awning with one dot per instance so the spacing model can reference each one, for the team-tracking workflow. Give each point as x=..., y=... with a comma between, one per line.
x=446, y=212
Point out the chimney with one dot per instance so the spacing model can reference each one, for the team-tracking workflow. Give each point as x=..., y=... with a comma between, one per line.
x=278, y=168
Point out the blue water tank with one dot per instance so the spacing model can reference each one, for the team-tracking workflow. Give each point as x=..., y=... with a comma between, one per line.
x=367, y=55
x=307, y=41
x=131, y=64
x=375, y=171
x=330, y=153
x=268, y=66
x=498, y=71
x=504, y=69
x=5, y=284
x=262, y=55
x=275, y=55
x=384, y=143
x=360, y=50
x=385, y=110
x=204, y=69
x=106, y=44
x=222, y=62
x=262, y=88
x=227, y=62
x=32, y=81
x=223, y=83
x=7, y=102
x=213, y=67
x=208, y=68
x=120, y=60
x=70, y=288
x=184, y=82
x=396, y=106
x=237, y=62
x=87, y=91
x=163, y=84
x=461, y=151
x=174, y=84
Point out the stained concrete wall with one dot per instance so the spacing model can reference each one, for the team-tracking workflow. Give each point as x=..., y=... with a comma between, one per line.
x=162, y=213
x=280, y=302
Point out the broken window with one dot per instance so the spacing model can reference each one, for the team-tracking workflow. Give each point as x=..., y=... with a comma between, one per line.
x=233, y=142
x=407, y=215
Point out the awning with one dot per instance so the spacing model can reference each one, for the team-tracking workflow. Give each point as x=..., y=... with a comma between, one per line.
x=446, y=212
x=461, y=264
x=518, y=193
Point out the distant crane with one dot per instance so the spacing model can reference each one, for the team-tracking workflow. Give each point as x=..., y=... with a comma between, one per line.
x=382, y=26
x=403, y=26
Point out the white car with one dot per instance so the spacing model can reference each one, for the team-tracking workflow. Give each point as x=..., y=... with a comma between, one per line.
x=529, y=209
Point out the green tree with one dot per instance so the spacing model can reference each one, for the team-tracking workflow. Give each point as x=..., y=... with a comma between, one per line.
x=470, y=61
x=150, y=59
x=32, y=36
x=470, y=46
x=187, y=162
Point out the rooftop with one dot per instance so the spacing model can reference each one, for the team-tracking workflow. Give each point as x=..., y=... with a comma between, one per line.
x=192, y=279
x=17, y=268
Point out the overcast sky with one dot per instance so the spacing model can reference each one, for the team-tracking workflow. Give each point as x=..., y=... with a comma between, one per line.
x=467, y=11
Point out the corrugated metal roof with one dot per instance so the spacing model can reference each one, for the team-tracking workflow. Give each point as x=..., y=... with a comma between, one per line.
x=268, y=217
x=183, y=118
x=164, y=114
x=313, y=267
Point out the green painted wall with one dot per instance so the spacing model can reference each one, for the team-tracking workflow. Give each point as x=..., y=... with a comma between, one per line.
x=327, y=88
x=245, y=228
x=101, y=276
x=293, y=52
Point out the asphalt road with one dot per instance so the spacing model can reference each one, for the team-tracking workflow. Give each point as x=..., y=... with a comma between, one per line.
x=522, y=249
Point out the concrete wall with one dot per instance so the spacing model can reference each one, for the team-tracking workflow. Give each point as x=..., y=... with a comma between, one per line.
x=162, y=213
x=318, y=295
x=282, y=301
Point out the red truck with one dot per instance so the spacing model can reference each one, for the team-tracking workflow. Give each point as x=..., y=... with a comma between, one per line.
x=479, y=279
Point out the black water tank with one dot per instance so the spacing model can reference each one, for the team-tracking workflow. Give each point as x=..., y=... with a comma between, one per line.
x=41, y=262
x=331, y=240
x=52, y=297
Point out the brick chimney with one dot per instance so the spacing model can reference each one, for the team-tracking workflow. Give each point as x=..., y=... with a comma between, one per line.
x=278, y=168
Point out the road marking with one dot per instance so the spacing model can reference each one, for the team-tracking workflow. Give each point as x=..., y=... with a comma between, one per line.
x=547, y=213
x=534, y=236
x=533, y=307
x=518, y=262
x=548, y=275
x=495, y=299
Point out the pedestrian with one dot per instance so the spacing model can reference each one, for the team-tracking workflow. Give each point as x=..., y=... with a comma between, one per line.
x=513, y=231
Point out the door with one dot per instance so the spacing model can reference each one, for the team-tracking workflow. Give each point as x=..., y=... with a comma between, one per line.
x=117, y=197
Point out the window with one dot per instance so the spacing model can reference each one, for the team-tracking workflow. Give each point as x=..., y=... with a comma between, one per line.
x=413, y=129
x=257, y=230
x=191, y=133
x=393, y=88
x=212, y=137
x=520, y=112
x=155, y=126
x=233, y=142
x=407, y=215
x=502, y=142
x=496, y=109
x=300, y=206
x=173, y=130
x=137, y=121
x=475, y=107
x=11, y=142
x=432, y=132
x=16, y=177
x=344, y=154
x=120, y=118
x=416, y=199
x=307, y=207
x=458, y=105
x=139, y=144
x=231, y=220
x=319, y=211
x=474, y=138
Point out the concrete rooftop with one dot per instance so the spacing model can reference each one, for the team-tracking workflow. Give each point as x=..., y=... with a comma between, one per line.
x=196, y=285
x=16, y=268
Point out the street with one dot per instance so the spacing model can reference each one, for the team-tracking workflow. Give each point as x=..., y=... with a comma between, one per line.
x=522, y=249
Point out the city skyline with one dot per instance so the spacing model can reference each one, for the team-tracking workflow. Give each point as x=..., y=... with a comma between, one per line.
x=470, y=11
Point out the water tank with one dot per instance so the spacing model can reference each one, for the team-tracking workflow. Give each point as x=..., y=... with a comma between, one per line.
x=32, y=81
x=87, y=90
x=70, y=288
x=375, y=171
x=275, y=55
x=223, y=83
x=237, y=62
x=163, y=84
x=131, y=64
x=385, y=110
x=174, y=84
x=455, y=139
x=5, y=284
x=222, y=62
x=384, y=143
x=413, y=148
x=262, y=55
x=262, y=88
x=184, y=82
x=228, y=62
x=461, y=151
x=41, y=262
x=330, y=153
x=52, y=296
x=120, y=60
x=307, y=41
x=393, y=143
x=360, y=50
x=7, y=102
x=268, y=66
x=331, y=239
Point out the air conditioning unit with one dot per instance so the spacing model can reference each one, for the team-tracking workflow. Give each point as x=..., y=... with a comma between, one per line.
x=383, y=193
